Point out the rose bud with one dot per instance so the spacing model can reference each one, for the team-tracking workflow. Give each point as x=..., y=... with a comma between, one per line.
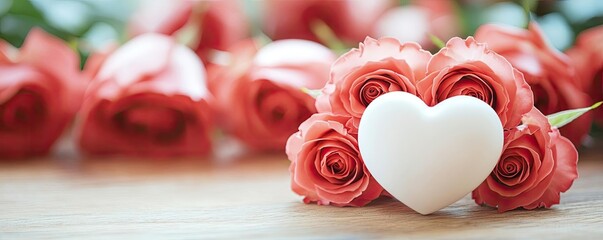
x=549, y=72
x=375, y=68
x=419, y=19
x=350, y=20
x=537, y=164
x=40, y=91
x=465, y=67
x=215, y=25
x=148, y=98
x=326, y=166
x=587, y=56
x=260, y=94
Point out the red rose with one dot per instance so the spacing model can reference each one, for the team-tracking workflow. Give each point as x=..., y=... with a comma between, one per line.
x=260, y=94
x=549, y=72
x=351, y=21
x=148, y=98
x=40, y=91
x=326, y=166
x=465, y=67
x=222, y=23
x=537, y=164
x=587, y=56
x=361, y=75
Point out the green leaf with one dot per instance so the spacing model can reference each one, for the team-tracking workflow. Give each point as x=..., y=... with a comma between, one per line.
x=562, y=118
x=312, y=92
x=437, y=41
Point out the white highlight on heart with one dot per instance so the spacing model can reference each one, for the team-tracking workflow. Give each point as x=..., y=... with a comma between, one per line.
x=429, y=157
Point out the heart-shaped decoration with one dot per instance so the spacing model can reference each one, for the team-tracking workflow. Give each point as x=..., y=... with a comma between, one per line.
x=429, y=157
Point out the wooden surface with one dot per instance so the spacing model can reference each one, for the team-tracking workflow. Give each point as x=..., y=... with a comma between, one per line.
x=190, y=199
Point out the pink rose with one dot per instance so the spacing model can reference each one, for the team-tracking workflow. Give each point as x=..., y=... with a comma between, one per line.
x=222, y=23
x=550, y=73
x=40, y=91
x=537, y=164
x=351, y=21
x=363, y=74
x=259, y=95
x=587, y=56
x=465, y=67
x=147, y=98
x=326, y=166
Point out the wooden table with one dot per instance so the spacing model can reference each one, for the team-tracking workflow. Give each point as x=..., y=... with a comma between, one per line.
x=62, y=197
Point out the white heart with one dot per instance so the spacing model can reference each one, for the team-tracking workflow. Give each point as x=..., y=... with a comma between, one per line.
x=429, y=157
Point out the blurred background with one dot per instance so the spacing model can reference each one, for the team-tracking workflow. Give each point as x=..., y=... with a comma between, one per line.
x=217, y=30
x=92, y=24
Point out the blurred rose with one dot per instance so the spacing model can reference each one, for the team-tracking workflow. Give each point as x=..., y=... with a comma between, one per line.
x=40, y=91
x=148, y=98
x=363, y=74
x=96, y=59
x=414, y=22
x=465, y=67
x=587, y=55
x=537, y=164
x=326, y=166
x=260, y=94
x=549, y=72
x=350, y=20
x=216, y=25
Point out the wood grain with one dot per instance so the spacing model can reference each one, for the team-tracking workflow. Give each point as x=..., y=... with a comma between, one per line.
x=121, y=198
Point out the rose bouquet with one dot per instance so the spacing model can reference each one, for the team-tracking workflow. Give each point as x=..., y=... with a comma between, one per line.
x=537, y=162
x=186, y=70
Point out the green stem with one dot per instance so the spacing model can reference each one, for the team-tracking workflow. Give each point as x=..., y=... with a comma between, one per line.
x=528, y=7
x=312, y=92
x=326, y=35
x=436, y=41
